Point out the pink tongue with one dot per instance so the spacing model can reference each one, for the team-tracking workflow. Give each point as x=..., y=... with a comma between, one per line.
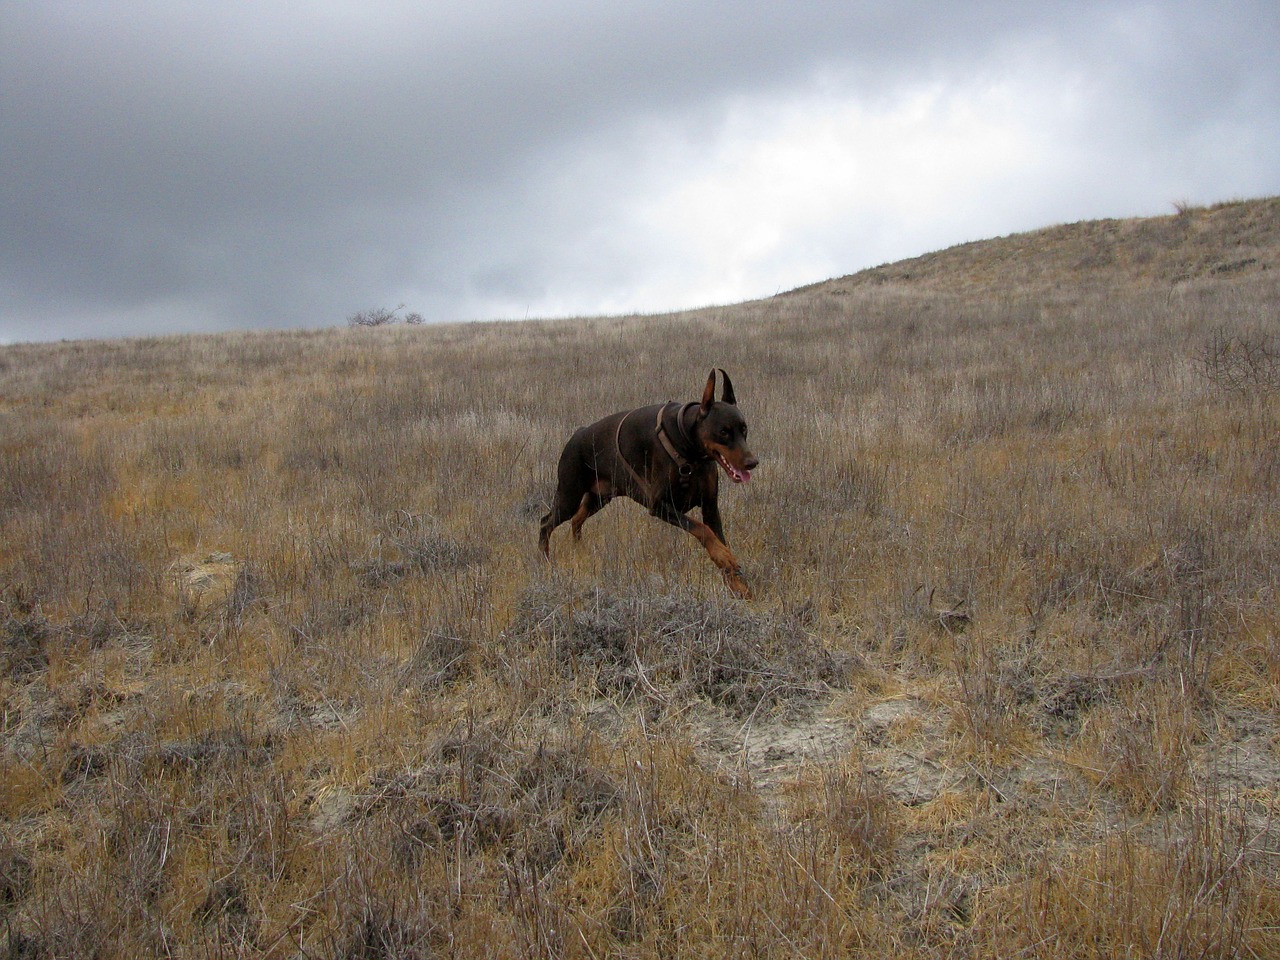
x=736, y=475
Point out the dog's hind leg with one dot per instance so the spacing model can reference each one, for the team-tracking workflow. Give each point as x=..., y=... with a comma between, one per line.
x=591, y=504
x=562, y=509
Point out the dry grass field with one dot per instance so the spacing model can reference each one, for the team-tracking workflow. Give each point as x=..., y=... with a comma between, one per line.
x=284, y=675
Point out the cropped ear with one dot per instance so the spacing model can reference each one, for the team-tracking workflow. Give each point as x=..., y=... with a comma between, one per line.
x=709, y=393
x=728, y=396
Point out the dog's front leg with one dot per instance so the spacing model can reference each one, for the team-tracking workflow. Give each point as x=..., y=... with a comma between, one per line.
x=713, y=541
x=711, y=517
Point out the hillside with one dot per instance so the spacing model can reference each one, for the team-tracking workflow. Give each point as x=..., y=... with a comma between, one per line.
x=284, y=673
x=1196, y=243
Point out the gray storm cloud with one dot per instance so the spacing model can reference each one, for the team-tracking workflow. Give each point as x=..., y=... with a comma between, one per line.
x=172, y=167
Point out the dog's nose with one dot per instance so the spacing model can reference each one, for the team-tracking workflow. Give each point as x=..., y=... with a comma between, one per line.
x=750, y=463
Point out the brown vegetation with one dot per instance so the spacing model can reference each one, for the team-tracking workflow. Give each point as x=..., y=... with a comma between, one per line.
x=284, y=674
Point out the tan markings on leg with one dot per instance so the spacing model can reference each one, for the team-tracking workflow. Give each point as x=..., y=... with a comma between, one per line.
x=723, y=558
x=579, y=518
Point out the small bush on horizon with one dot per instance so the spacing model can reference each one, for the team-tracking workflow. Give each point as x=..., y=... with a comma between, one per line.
x=381, y=317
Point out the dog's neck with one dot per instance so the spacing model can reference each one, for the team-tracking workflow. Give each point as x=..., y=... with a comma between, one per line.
x=685, y=426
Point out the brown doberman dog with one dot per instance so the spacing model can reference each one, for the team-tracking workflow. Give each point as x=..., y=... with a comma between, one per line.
x=664, y=457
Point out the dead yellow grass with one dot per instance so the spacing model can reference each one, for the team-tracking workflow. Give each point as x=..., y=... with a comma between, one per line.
x=283, y=673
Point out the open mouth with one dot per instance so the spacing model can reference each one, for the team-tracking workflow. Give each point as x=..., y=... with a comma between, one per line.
x=736, y=475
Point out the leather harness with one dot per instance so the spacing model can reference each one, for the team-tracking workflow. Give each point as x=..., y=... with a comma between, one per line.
x=683, y=466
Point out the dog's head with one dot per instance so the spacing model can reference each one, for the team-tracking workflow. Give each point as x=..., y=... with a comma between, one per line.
x=722, y=430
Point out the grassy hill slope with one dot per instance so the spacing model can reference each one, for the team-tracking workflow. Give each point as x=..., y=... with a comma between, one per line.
x=1229, y=239
x=284, y=674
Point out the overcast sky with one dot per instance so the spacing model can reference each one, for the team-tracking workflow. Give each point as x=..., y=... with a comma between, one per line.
x=179, y=165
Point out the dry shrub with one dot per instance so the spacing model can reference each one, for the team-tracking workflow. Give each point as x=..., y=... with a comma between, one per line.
x=855, y=815
x=482, y=788
x=992, y=685
x=1139, y=750
x=678, y=646
x=15, y=876
x=1245, y=364
x=370, y=914
x=684, y=864
x=411, y=543
x=1249, y=668
x=1197, y=891
x=442, y=658
x=205, y=585
x=24, y=633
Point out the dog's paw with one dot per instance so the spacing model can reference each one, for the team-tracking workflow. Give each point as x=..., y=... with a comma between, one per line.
x=738, y=586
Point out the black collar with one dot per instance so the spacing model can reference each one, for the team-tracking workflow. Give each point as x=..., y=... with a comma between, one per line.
x=692, y=450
